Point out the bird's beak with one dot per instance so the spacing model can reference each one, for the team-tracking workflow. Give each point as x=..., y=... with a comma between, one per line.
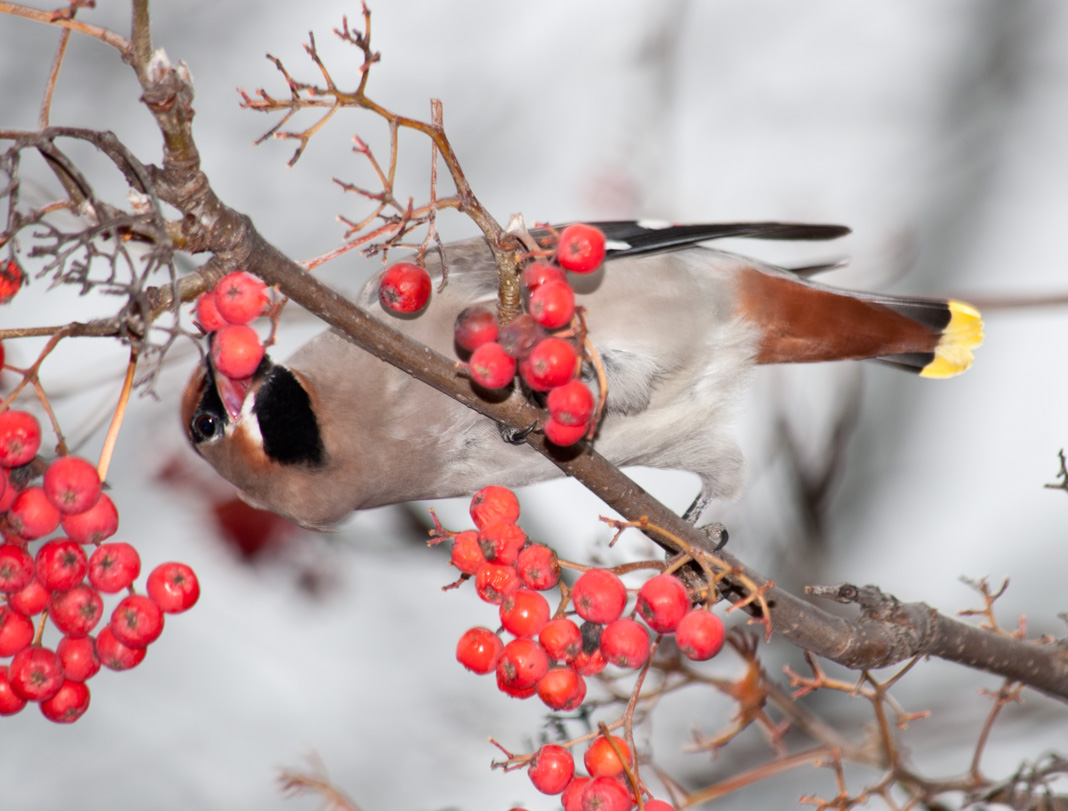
x=232, y=393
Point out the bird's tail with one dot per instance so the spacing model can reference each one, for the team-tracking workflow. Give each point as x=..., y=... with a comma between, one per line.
x=957, y=325
x=801, y=322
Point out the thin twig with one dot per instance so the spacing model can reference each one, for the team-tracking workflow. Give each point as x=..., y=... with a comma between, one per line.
x=116, y=421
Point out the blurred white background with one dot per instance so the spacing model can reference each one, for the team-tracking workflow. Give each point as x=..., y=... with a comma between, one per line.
x=937, y=131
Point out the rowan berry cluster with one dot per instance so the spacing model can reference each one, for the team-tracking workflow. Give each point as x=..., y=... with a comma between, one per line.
x=540, y=343
x=51, y=583
x=552, y=652
x=226, y=312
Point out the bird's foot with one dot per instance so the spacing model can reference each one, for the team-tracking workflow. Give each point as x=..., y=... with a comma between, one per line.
x=716, y=534
x=515, y=436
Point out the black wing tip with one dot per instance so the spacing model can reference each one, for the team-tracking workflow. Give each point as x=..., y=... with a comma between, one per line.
x=629, y=237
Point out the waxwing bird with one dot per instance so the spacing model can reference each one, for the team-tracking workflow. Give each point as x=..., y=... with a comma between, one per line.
x=679, y=328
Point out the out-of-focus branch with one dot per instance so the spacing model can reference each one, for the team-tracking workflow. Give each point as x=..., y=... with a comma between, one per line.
x=105, y=35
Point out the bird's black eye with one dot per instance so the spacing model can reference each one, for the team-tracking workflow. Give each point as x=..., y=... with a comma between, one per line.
x=204, y=426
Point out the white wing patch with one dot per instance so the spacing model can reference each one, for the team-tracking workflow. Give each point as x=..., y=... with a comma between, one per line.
x=655, y=225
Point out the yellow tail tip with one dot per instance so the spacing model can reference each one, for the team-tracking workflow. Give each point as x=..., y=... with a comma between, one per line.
x=962, y=335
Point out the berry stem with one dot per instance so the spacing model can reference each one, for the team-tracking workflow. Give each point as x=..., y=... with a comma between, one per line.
x=116, y=421
x=41, y=627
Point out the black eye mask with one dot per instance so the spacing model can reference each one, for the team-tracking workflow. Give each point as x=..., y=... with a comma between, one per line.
x=288, y=425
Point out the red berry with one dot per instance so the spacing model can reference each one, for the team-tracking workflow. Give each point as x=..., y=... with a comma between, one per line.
x=173, y=587
x=490, y=366
x=551, y=363
x=538, y=567
x=7, y=498
x=663, y=602
x=31, y=599
x=513, y=690
x=572, y=796
x=493, y=503
x=563, y=435
x=571, y=403
x=475, y=326
x=10, y=701
x=207, y=313
x=115, y=655
x=524, y=612
x=236, y=351
x=658, y=805
x=68, y=704
x=581, y=248
x=599, y=596
x=96, y=524
x=466, y=553
x=520, y=335
x=479, y=650
x=625, y=643
x=33, y=515
x=240, y=297
x=20, y=437
x=404, y=288
x=561, y=639
x=501, y=541
x=16, y=568
x=16, y=631
x=562, y=689
x=494, y=581
x=4, y=478
x=522, y=664
x=589, y=663
x=136, y=621
x=551, y=769
x=11, y=278
x=76, y=612
x=79, y=658
x=536, y=274
x=700, y=635
x=61, y=564
x=113, y=567
x=71, y=484
x=552, y=305
x=605, y=794
x=36, y=674
x=601, y=759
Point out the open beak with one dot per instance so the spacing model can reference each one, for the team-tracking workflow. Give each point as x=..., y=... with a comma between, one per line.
x=232, y=393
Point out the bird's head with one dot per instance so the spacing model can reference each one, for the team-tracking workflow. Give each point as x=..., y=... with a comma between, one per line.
x=260, y=433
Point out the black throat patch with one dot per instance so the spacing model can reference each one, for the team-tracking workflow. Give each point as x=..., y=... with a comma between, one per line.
x=288, y=425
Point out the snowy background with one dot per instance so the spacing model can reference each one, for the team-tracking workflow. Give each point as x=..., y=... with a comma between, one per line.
x=937, y=131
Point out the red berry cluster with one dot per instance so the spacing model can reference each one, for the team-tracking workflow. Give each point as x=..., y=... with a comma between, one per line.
x=604, y=789
x=404, y=288
x=539, y=343
x=237, y=300
x=52, y=582
x=551, y=653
